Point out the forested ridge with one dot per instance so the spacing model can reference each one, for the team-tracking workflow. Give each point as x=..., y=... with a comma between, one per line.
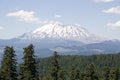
x=59, y=67
x=100, y=62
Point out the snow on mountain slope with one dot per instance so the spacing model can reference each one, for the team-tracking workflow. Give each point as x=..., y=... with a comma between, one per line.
x=60, y=31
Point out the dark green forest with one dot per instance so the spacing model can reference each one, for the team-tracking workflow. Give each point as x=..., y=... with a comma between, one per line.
x=59, y=67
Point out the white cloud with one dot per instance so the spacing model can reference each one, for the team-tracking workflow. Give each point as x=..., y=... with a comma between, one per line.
x=104, y=1
x=57, y=16
x=26, y=16
x=114, y=25
x=60, y=49
x=115, y=10
x=1, y=50
x=77, y=24
x=45, y=22
x=52, y=22
x=1, y=27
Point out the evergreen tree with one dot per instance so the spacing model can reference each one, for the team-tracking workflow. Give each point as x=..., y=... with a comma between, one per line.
x=90, y=73
x=61, y=74
x=106, y=73
x=114, y=74
x=75, y=73
x=21, y=77
x=83, y=76
x=55, y=67
x=8, y=66
x=72, y=73
x=29, y=67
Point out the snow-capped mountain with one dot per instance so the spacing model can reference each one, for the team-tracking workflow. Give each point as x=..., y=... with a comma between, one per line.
x=61, y=32
x=65, y=39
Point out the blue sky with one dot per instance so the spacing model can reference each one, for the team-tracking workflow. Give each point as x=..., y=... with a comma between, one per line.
x=100, y=17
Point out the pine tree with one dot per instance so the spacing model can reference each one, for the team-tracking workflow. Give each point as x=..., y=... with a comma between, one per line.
x=106, y=73
x=55, y=67
x=83, y=76
x=29, y=66
x=8, y=66
x=61, y=74
x=114, y=74
x=21, y=77
x=75, y=73
x=72, y=73
x=91, y=73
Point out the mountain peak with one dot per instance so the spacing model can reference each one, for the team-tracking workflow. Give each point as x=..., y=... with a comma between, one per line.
x=59, y=31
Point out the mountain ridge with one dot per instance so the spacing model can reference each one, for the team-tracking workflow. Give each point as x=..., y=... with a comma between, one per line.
x=59, y=37
x=60, y=31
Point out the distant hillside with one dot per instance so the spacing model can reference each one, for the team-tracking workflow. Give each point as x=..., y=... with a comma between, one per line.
x=100, y=61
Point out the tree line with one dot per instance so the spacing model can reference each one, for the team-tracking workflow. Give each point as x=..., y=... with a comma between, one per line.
x=53, y=68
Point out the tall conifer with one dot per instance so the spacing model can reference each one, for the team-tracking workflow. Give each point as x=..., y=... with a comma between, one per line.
x=55, y=67
x=29, y=66
x=8, y=66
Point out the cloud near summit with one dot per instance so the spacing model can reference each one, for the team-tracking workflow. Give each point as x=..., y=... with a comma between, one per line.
x=1, y=27
x=57, y=16
x=114, y=10
x=104, y=1
x=25, y=16
x=114, y=25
